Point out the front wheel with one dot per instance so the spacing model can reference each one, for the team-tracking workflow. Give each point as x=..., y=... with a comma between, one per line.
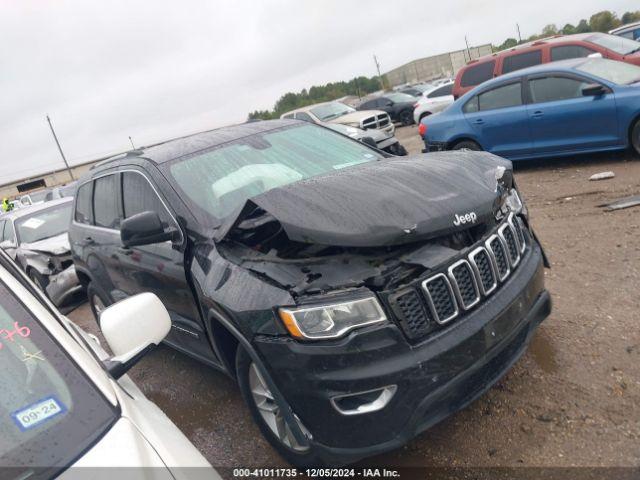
x=40, y=280
x=635, y=137
x=467, y=145
x=406, y=117
x=267, y=414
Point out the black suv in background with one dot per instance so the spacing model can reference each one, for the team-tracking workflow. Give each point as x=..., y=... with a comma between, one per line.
x=357, y=299
x=399, y=106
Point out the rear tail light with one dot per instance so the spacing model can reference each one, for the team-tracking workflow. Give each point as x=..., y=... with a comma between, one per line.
x=422, y=129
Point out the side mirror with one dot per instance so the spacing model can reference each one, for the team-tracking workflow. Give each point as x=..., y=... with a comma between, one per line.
x=595, y=55
x=144, y=228
x=132, y=328
x=389, y=103
x=594, y=90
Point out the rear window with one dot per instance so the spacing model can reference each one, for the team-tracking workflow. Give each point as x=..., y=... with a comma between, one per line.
x=501, y=97
x=49, y=411
x=477, y=74
x=441, y=92
x=84, y=211
x=522, y=60
x=566, y=52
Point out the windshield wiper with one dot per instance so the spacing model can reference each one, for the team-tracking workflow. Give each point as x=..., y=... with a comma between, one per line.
x=634, y=81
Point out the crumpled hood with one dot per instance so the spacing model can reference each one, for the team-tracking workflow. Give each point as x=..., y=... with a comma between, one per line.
x=356, y=116
x=57, y=245
x=389, y=202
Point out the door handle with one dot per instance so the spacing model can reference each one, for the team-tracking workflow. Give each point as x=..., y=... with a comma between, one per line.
x=125, y=251
x=86, y=241
x=537, y=114
x=479, y=121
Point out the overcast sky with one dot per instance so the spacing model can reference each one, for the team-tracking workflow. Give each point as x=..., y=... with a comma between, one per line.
x=104, y=70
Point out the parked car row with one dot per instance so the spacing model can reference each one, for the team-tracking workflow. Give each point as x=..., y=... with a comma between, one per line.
x=555, y=109
x=560, y=47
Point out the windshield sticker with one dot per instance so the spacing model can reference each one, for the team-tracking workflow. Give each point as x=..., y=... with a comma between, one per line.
x=33, y=223
x=37, y=413
x=8, y=335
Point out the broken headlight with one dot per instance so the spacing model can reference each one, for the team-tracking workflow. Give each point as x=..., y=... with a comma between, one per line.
x=513, y=201
x=331, y=320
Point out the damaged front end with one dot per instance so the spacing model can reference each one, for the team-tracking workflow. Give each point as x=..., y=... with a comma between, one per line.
x=49, y=263
x=415, y=285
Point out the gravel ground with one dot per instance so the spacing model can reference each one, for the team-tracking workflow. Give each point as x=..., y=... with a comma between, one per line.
x=572, y=400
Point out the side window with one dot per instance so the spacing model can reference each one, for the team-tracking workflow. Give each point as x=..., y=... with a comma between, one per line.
x=105, y=202
x=441, y=92
x=304, y=116
x=471, y=106
x=565, y=52
x=2, y=236
x=477, y=74
x=523, y=60
x=552, y=89
x=9, y=231
x=139, y=196
x=501, y=97
x=84, y=210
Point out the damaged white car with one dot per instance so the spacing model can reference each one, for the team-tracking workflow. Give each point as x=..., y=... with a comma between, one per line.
x=36, y=238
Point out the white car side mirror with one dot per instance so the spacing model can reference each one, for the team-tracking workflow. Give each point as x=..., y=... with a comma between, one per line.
x=7, y=244
x=132, y=328
x=595, y=55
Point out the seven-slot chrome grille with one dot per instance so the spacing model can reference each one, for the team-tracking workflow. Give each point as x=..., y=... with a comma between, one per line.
x=447, y=295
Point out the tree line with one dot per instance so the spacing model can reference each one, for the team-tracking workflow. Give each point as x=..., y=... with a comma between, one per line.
x=603, y=21
x=360, y=86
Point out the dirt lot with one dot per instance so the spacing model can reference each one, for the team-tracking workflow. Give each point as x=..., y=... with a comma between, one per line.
x=573, y=399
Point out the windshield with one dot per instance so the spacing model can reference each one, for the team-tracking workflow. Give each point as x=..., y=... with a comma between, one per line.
x=332, y=110
x=44, y=223
x=616, y=72
x=620, y=45
x=400, y=98
x=49, y=411
x=222, y=179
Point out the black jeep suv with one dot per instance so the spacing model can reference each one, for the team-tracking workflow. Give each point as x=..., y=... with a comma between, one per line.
x=357, y=299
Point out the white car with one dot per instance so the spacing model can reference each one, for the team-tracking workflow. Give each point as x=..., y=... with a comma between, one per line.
x=433, y=101
x=64, y=403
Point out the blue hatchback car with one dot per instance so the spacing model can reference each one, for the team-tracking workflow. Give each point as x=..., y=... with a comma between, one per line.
x=561, y=108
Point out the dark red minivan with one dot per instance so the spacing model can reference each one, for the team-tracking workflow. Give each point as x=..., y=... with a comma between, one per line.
x=560, y=47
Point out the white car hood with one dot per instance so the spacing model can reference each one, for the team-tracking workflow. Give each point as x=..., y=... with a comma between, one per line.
x=57, y=245
x=122, y=446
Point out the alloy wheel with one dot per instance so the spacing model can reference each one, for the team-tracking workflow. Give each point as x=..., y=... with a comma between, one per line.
x=270, y=411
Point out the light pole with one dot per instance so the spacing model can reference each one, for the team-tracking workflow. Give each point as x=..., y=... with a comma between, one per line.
x=64, y=159
x=375, y=59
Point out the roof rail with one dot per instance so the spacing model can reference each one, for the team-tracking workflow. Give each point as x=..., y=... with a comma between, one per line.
x=119, y=156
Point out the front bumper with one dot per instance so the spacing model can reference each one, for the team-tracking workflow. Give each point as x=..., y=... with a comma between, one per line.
x=434, y=147
x=434, y=379
x=62, y=286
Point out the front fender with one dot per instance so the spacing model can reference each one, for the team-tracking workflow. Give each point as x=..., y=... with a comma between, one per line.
x=33, y=260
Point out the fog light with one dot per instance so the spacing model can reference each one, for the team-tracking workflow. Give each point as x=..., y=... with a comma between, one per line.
x=364, y=402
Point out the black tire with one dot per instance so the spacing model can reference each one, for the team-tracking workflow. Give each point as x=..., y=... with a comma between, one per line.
x=40, y=280
x=467, y=145
x=399, y=150
x=306, y=458
x=97, y=302
x=406, y=117
x=635, y=137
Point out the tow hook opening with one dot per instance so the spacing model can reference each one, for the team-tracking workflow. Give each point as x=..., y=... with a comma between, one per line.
x=364, y=402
